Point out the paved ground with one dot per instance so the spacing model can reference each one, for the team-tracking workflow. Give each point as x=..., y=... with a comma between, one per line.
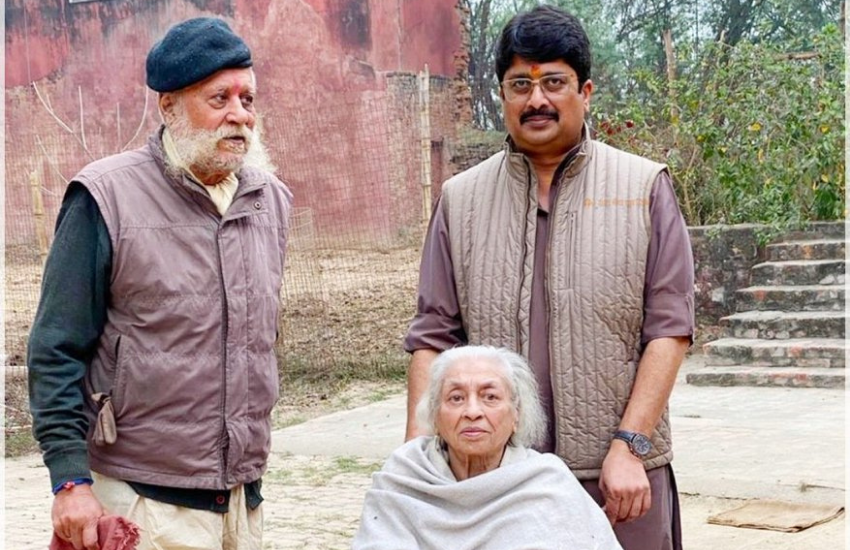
x=731, y=444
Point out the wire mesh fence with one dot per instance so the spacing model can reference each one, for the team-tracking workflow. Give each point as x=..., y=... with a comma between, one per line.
x=357, y=167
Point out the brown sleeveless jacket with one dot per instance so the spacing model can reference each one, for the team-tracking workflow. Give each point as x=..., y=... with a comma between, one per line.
x=187, y=353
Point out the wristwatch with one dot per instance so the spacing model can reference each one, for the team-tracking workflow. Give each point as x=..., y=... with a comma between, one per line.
x=639, y=444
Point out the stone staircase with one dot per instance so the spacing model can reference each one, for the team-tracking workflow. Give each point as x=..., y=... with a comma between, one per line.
x=790, y=326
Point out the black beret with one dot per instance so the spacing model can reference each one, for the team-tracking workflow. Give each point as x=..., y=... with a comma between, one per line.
x=193, y=50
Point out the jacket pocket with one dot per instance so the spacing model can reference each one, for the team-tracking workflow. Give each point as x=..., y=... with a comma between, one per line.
x=572, y=249
x=118, y=390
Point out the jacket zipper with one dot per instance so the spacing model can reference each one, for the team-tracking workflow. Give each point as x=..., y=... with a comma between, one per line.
x=118, y=374
x=532, y=184
x=224, y=320
x=547, y=291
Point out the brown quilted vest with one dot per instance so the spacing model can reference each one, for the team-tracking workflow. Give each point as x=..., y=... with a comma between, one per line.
x=187, y=353
x=595, y=270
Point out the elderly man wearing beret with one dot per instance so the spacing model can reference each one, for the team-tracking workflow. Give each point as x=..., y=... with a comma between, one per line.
x=151, y=358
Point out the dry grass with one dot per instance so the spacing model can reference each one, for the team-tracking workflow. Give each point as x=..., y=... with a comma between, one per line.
x=18, y=427
x=351, y=323
x=344, y=317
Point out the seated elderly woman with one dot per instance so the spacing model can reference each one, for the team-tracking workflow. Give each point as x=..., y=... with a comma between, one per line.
x=475, y=483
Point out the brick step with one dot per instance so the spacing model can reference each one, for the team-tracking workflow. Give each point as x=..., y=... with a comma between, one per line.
x=749, y=375
x=818, y=231
x=822, y=249
x=782, y=325
x=791, y=298
x=799, y=272
x=794, y=352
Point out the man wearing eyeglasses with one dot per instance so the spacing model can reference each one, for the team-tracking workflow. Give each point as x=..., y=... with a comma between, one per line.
x=576, y=255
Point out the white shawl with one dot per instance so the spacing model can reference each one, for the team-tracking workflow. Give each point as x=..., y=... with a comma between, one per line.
x=531, y=502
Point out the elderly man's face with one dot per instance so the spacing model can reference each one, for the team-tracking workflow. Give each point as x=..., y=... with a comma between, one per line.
x=212, y=122
x=476, y=417
x=545, y=120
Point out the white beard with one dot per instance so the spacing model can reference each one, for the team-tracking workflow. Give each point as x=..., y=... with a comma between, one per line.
x=204, y=151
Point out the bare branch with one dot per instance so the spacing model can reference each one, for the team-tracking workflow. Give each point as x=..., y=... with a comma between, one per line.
x=141, y=123
x=797, y=56
x=50, y=110
x=82, y=118
x=62, y=124
x=636, y=21
x=51, y=163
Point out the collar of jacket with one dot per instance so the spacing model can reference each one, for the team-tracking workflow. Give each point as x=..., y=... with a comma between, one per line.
x=519, y=166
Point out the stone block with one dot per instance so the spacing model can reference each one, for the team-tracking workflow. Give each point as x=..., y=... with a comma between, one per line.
x=802, y=272
x=806, y=250
x=791, y=298
x=748, y=375
x=821, y=352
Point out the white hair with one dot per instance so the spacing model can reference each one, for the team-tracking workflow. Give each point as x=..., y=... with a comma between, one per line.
x=531, y=421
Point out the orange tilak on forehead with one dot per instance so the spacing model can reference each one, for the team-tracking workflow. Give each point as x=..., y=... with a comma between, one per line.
x=233, y=88
x=536, y=72
x=240, y=88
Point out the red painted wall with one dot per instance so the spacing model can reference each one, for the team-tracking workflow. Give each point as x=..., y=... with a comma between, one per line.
x=321, y=67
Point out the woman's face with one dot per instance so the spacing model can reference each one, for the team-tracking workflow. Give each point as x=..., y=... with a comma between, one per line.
x=475, y=417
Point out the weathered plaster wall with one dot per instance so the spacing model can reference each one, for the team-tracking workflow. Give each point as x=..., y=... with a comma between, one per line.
x=321, y=67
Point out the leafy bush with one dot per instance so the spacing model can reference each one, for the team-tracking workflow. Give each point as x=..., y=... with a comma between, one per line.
x=751, y=134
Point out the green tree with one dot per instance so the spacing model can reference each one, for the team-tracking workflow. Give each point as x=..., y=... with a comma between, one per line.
x=750, y=134
x=774, y=21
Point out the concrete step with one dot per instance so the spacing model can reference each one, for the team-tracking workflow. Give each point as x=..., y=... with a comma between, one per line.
x=822, y=249
x=799, y=272
x=794, y=352
x=749, y=375
x=782, y=325
x=791, y=298
x=818, y=231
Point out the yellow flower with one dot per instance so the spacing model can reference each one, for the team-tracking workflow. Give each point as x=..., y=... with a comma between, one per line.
x=755, y=126
x=824, y=128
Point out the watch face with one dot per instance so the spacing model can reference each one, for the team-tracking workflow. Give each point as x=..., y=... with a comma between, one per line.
x=641, y=444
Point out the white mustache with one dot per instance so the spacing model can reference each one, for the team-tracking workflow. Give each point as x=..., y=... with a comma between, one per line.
x=235, y=131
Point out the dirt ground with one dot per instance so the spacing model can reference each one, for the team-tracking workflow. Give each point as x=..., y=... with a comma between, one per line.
x=346, y=312
x=23, y=283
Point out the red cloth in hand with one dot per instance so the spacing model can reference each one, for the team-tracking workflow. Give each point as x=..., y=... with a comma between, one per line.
x=113, y=533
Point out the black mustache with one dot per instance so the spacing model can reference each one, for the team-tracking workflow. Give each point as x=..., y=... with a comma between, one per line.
x=538, y=112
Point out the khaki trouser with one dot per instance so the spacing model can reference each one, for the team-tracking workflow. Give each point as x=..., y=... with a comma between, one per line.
x=169, y=527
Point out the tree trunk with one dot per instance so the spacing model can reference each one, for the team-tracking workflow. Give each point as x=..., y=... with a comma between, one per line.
x=670, y=57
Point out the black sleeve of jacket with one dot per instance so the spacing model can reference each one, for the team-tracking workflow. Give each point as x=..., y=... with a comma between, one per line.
x=70, y=318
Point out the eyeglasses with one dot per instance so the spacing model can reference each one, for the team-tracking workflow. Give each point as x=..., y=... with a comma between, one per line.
x=551, y=85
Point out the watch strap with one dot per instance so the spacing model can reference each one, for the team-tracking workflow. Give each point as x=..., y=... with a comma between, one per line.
x=625, y=435
x=629, y=438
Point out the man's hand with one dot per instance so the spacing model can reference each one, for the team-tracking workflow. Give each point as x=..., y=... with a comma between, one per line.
x=624, y=485
x=75, y=514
